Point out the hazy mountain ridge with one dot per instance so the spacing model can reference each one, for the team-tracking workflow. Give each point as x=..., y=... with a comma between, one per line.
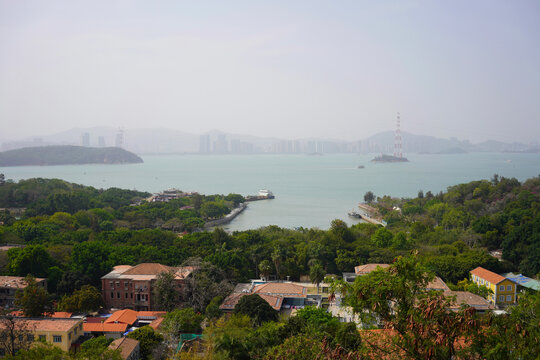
x=167, y=141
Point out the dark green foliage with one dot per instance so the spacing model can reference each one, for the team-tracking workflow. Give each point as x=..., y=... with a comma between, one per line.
x=256, y=308
x=33, y=300
x=66, y=154
x=87, y=299
x=148, y=339
x=182, y=321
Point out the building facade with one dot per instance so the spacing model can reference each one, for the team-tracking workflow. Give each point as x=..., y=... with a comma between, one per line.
x=131, y=287
x=9, y=285
x=504, y=290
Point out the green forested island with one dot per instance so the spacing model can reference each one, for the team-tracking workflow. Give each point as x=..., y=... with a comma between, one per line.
x=73, y=235
x=67, y=155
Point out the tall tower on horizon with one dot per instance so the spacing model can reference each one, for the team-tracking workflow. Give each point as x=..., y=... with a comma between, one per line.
x=398, y=146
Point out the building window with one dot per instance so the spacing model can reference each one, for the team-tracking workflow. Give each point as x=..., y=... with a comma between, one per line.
x=501, y=298
x=131, y=295
x=126, y=295
x=508, y=297
x=482, y=281
x=69, y=336
x=57, y=338
x=487, y=283
x=30, y=338
x=501, y=288
x=20, y=338
x=508, y=287
x=42, y=338
x=118, y=295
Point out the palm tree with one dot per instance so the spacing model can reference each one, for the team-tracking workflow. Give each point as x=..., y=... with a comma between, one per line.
x=277, y=257
x=265, y=267
x=316, y=274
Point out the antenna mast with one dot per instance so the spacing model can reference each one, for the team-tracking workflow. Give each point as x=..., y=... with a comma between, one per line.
x=398, y=152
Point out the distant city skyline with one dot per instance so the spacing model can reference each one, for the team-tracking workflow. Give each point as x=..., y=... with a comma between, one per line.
x=279, y=69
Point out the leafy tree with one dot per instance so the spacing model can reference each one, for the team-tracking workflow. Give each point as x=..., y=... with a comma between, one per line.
x=148, y=340
x=299, y=347
x=382, y=237
x=277, y=259
x=165, y=294
x=182, y=321
x=256, y=308
x=33, y=300
x=32, y=259
x=348, y=337
x=205, y=283
x=424, y=328
x=212, y=310
x=369, y=197
x=87, y=299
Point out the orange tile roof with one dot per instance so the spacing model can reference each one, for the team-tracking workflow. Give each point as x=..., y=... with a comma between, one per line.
x=102, y=327
x=155, y=324
x=281, y=289
x=126, y=316
x=150, y=314
x=125, y=345
x=367, y=268
x=61, y=314
x=488, y=275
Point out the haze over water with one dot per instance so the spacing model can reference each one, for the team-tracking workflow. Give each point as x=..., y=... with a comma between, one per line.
x=310, y=191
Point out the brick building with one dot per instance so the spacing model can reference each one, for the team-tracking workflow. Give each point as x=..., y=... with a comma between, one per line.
x=130, y=287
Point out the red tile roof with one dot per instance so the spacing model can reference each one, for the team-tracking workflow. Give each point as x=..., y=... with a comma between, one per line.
x=367, y=268
x=61, y=314
x=155, y=324
x=488, y=275
x=125, y=316
x=102, y=327
x=148, y=269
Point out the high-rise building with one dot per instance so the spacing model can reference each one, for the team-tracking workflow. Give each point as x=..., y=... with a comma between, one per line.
x=204, y=144
x=101, y=141
x=85, y=139
x=221, y=145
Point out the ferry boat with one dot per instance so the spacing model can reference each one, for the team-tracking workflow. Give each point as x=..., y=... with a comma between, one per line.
x=266, y=194
x=354, y=214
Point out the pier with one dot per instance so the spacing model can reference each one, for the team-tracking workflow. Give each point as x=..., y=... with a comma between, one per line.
x=227, y=218
x=371, y=214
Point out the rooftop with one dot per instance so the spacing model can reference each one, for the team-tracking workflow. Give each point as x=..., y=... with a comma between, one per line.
x=15, y=282
x=126, y=316
x=230, y=302
x=523, y=281
x=47, y=324
x=437, y=284
x=467, y=298
x=125, y=345
x=488, y=275
x=367, y=268
x=147, y=271
x=102, y=327
x=281, y=289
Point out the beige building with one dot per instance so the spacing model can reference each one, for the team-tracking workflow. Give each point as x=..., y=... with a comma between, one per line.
x=59, y=332
x=129, y=348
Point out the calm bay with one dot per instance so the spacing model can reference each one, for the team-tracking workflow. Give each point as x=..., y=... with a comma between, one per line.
x=310, y=191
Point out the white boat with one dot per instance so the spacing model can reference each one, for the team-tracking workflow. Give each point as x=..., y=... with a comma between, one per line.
x=266, y=193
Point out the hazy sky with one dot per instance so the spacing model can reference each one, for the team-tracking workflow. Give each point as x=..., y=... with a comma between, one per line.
x=339, y=69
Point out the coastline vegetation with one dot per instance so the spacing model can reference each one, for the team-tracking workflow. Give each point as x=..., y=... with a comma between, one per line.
x=73, y=235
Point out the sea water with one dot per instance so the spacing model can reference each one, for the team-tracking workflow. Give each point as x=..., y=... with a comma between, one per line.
x=310, y=191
